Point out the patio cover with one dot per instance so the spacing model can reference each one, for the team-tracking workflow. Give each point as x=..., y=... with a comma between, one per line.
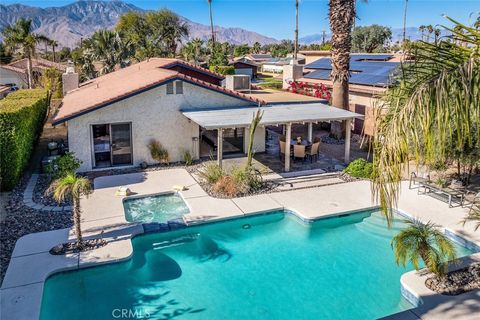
x=273, y=115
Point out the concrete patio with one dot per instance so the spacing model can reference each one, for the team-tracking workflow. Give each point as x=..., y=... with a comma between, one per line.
x=103, y=213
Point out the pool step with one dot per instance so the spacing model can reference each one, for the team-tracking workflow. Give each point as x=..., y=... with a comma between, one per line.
x=175, y=241
x=376, y=225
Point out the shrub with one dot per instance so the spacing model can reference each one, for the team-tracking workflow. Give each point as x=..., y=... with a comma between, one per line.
x=211, y=172
x=22, y=114
x=360, y=168
x=246, y=178
x=187, y=158
x=64, y=165
x=226, y=185
x=158, y=152
x=223, y=69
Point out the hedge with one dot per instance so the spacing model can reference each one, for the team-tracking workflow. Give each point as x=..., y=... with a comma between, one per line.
x=223, y=69
x=21, y=119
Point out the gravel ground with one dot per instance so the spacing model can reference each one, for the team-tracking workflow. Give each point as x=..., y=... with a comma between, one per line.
x=21, y=220
x=41, y=194
x=456, y=282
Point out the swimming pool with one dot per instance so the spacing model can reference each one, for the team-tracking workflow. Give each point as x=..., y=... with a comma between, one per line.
x=155, y=208
x=270, y=266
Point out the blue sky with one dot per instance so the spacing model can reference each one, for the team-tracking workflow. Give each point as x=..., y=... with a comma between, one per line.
x=275, y=18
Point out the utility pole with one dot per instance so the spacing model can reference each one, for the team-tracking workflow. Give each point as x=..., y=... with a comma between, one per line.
x=295, y=50
x=323, y=37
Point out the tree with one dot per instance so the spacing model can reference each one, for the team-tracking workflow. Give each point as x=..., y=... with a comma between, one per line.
x=423, y=241
x=54, y=44
x=257, y=47
x=405, y=21
x=370, y=38
x=241, y=50
x=342, y=17
x=257, y=117
x=295, y=49
x=72, y=187
x=211, y=22
x=20, y=37
x=167, y=30
x=425, y=115
x=5, y=56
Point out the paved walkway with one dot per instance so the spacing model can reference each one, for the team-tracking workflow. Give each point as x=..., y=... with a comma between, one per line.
x=103, y=214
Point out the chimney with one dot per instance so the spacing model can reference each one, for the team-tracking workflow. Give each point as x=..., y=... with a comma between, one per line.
x=69, y=80
x=291, y=72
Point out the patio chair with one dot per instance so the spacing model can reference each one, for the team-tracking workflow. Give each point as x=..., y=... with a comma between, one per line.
x=299, y=151
x=282, y=148
x=418, y=179
x=282, y=138
x=316, y=139
x=313, y=151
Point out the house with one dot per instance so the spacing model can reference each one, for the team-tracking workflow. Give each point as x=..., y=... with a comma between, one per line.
x=244, y=66
x=371, y=75
x=258, y=58
x=275, y=65
x=313, y=55
x=112, y=119
x=16, y=74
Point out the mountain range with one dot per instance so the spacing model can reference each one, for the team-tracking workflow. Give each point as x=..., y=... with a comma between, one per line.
x=69, y=23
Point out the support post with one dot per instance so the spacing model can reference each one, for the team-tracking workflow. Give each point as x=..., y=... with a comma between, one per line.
x=310, y=131
x=348, y=131
x=288, y=138
x=219, y=147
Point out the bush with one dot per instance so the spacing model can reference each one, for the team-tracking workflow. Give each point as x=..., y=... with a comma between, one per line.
x=158, y=152
x=64, y=165
x=187, y=158
x=246, y=179
x=226, y=185
x=211, y=172
x=223, y=69
x=360, y=168
x=22, y=114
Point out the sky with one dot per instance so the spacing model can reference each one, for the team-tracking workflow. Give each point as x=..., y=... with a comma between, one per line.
x=276, y=18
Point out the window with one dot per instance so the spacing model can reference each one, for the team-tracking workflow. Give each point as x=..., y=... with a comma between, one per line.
x=170, y=88
x=178, y=87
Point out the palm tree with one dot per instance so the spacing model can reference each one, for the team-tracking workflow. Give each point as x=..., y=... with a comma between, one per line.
x=405, y=21
x=342, y=17
x=295, y=49
x=53, y=44
x=422, y=29
x=425, y=117
x=211, y=22
x=21, y=37
x=423, y=241
x=197, y=45
x=72, y=187
x=257, y=47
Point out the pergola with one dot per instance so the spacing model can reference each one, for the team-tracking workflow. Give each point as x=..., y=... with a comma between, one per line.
x=277, y=114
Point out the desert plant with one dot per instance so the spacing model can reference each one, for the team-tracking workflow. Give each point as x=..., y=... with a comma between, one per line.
x=246, y=178
x=423, y=241
x=226, y=185
x=257, y=117
x=187, y=158
x=64, y=165
x=360, y=168
x=72, y=187
x=158, y=152
x=211, y=172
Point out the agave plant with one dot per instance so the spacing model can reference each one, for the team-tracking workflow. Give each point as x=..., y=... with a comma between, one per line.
x=72, y=186
x=423, y=241
x=435, y=106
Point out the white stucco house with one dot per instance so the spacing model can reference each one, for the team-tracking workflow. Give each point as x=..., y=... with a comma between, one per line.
x=16, y=74
x=112, y=119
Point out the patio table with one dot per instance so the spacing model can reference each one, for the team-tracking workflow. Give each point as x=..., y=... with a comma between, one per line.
x=304, y=142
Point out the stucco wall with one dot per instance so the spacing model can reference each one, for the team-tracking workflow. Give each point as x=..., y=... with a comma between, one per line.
x=7, y=76
x=154, y=115
x=369, y=102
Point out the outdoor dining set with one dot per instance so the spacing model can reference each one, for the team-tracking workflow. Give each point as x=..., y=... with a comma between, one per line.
x=454, y=192
x=300, y=148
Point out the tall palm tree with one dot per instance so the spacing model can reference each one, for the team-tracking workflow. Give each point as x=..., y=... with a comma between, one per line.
x=423, y=241
x=295, y=49
x=342, y=17
x=54, y=44
x=20, y=37
x=72, y=187
x=211, y=22
x=197, y=45
x=405, y=21
x=422, y=29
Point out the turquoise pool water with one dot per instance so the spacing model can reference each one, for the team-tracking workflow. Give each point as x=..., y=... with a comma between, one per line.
x=158, y=208
x=270, y=266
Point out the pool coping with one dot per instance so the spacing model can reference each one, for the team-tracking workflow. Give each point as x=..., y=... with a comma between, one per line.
x=17, y=300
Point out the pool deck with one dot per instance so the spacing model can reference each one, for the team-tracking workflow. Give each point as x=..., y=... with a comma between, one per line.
x=103, y=213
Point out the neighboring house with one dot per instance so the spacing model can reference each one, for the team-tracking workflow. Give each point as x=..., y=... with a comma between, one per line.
x=275, y=65
x=15, y=73
x=258, y=58
x=111, y=119
x=313, y=55
x=371, y=75
x=244, y=66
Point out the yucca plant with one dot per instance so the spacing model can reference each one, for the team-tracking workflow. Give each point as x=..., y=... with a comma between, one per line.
x=423, y=241
x=72, y=186
x=435, y=106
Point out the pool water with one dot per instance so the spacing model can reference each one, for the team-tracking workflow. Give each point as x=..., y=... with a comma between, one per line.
x=158, y=208
x=270, y=266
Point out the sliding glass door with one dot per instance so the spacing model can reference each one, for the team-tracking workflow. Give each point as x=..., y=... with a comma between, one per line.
x=112, y=145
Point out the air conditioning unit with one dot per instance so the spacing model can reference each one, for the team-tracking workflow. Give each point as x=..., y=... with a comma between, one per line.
x=238, y=82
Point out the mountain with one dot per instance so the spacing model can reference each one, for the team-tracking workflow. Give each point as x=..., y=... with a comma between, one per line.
x=69, y=23
x=397, y=34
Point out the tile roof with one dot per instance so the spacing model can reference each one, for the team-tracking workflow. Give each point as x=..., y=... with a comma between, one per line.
x=129, y=81
x=20, y=66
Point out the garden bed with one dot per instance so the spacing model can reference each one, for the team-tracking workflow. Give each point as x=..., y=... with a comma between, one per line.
x=42, y=195
x=456, y=282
